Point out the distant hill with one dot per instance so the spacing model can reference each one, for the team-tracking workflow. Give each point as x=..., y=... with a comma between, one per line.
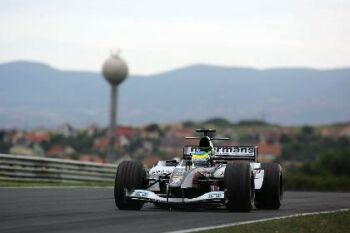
x=34, y=94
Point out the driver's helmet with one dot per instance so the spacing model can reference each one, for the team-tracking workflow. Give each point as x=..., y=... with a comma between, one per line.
x=205, y=144
x=201, y=159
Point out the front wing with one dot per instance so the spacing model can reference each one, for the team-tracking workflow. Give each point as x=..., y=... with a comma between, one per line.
x=149, y=196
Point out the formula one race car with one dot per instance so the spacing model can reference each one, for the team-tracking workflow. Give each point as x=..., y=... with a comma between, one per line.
x=208, y=174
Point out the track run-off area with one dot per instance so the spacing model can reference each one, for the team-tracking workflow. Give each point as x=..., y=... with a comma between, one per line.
x=93, y=210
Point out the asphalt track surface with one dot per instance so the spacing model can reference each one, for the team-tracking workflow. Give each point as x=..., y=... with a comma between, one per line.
x=93, y=210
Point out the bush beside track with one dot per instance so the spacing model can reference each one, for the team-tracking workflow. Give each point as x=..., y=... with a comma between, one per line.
x=320, y=223
x=316, y=183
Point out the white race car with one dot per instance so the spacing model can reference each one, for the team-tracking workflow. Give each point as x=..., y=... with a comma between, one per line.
x=208, y=174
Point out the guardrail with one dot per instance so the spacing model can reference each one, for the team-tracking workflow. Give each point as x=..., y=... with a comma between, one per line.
x=29, y=168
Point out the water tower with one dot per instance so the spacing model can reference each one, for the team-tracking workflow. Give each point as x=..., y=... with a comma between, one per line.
x=115, y=71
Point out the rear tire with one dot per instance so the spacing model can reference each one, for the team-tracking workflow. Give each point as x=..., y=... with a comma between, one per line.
x=271, y=193
x=239, y=187
x=130, y=175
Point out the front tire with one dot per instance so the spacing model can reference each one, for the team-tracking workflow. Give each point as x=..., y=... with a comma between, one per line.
x=130, y=175
x=239, y=187
x=271, y=193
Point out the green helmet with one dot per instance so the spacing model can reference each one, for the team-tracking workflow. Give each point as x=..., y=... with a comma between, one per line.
x=205, y=144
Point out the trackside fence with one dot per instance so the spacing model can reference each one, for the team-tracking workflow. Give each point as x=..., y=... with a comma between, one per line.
x=29, y=168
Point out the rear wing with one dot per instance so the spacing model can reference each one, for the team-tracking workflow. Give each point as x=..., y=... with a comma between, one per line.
x=226, y=153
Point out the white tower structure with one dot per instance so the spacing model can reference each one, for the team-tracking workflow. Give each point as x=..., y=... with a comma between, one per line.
x=115, y=71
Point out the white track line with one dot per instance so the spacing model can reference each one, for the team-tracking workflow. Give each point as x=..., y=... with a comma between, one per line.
x=254, y=221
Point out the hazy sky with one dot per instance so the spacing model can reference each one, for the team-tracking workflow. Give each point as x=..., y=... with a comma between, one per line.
x=160, y=35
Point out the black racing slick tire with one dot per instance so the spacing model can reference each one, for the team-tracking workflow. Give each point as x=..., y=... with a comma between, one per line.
x=130, y=175
x=271, y=193
x=239, y=187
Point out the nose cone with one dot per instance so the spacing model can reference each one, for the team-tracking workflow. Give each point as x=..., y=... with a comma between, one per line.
x=115, y=70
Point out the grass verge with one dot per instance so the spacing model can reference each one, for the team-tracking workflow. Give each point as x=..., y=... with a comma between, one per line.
x=54, y=184
x=320, y=223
